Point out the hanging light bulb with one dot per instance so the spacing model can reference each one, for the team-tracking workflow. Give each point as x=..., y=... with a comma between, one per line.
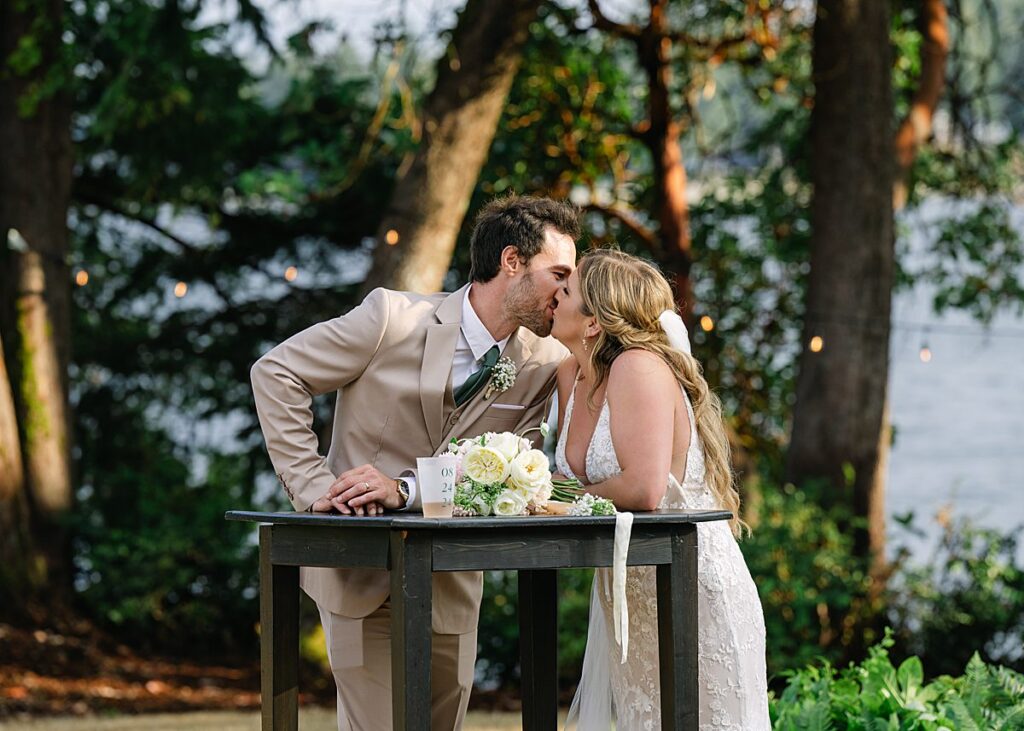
x=816, y=344
x=707, y=324
x=291, y=273
x=82, y=278
x=925, y=354
x=180, y=289
x=391, y=237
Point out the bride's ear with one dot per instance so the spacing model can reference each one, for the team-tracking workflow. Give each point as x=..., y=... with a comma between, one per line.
x=592, y=329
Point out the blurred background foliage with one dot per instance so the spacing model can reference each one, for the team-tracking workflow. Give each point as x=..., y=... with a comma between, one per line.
x=196, y=168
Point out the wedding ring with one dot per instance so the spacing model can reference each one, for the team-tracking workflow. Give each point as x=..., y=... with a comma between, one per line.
x=366, y=487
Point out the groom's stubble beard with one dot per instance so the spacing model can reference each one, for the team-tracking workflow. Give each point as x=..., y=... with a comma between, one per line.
x=523, y=307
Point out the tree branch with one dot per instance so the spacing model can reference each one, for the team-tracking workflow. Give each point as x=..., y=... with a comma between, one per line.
x=603, y=22
x=635, y=227
x=916, y=128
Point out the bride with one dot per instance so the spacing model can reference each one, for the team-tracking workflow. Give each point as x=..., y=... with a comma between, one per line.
x=638, y=425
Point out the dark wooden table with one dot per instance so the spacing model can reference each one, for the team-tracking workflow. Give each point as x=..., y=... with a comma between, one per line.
x=411, y=546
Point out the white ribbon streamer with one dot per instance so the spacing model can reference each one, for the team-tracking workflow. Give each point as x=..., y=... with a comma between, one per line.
x=620, y=608
x=675, y=330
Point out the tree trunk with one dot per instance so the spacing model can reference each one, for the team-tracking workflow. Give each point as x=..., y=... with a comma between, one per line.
x=841, y=390
x=417, y=235
x=662, y=139
x=35, y=186
x=16, y=571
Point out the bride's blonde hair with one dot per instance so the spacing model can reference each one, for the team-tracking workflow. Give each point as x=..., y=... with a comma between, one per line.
x=626, y=295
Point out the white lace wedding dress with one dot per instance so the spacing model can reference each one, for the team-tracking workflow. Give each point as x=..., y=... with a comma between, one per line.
x=733, y=683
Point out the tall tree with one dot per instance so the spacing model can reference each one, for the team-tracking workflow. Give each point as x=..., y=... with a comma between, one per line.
x=664, y=53
x=35, y=187
x=844, y=368
x=417, y=235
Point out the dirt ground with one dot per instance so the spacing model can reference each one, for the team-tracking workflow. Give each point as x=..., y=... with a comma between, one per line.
x=73, y=678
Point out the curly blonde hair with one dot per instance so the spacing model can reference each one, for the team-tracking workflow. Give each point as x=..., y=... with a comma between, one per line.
x=626, y=294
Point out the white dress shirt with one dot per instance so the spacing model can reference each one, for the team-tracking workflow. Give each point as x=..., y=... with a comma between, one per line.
x=474, y=342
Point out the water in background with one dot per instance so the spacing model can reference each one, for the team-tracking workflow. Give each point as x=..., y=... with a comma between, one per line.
x=959, y=418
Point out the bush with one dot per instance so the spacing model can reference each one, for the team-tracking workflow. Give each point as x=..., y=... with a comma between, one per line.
x=878, y=695
x=813, y=589
x=969, y=597
x=155, y=560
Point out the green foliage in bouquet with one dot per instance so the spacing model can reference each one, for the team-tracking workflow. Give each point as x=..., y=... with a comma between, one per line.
x=878, y=695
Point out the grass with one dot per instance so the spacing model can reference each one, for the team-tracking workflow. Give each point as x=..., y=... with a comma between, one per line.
x=310, y=719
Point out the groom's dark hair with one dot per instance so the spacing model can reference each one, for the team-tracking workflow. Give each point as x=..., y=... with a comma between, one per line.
x=519, y=221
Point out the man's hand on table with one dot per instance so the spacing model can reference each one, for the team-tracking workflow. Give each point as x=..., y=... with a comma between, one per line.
x=361, y=491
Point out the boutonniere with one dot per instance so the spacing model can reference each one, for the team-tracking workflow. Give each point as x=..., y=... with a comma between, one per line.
x=503, y=377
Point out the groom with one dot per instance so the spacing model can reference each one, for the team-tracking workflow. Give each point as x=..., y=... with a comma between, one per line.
x=410, y=373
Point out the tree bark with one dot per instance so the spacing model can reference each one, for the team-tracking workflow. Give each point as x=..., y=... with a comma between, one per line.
x=417, y=235
x=916, y=127
x=35, y=187
x=16, y=573
x=662, y=136
x=841, y=390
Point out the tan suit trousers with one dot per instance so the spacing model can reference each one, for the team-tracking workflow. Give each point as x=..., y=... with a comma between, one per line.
x=359, y=651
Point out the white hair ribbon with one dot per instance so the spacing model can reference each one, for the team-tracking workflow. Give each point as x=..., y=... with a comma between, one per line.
x=675, y=330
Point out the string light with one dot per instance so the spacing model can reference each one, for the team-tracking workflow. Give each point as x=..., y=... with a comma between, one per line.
x=290, y=273
x=816, y=344
x=391, y=237
x=707, y=324
x=925, y=354
x=82, y=278
x=180, y=289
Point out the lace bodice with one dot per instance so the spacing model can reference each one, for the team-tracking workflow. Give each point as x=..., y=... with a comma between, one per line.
x=731, y=638
x=602, y=462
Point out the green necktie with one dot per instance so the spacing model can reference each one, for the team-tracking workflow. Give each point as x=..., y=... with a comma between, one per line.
x=477, y=380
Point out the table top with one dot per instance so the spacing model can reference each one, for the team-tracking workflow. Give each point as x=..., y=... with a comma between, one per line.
x=415, y=521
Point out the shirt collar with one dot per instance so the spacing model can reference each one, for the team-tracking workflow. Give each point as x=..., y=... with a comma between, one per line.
x=476, y=334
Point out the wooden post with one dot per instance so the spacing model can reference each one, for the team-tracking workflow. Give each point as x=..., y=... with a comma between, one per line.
x=279, y=639
x=538, y=648
x=410, y=629
x=677, y=633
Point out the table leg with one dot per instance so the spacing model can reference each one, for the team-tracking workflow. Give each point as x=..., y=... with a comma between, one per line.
x=410, y=630
x=677, y=633
x=279, y=640
x=538, y=648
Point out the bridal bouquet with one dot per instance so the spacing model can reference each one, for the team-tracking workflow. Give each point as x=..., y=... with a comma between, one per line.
x=501, y=474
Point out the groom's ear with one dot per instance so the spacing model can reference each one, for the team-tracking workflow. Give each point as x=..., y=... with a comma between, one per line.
x=511, y=264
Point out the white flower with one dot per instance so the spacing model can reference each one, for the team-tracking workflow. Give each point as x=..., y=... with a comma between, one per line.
x=485, y=465
x=529, y=471
x=507, y=443
x=509, y=503
x=503, y=376
x=544, y=493
x=481, y=505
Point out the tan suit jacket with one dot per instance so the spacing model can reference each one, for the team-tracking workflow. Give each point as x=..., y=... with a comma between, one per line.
x=390, y=361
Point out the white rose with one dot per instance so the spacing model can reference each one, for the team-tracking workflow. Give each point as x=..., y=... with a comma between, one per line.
x=529, y=471
x=481, y=505
x=504, y=442
x=509, y=503
x=485, y=465
x=544, y=493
